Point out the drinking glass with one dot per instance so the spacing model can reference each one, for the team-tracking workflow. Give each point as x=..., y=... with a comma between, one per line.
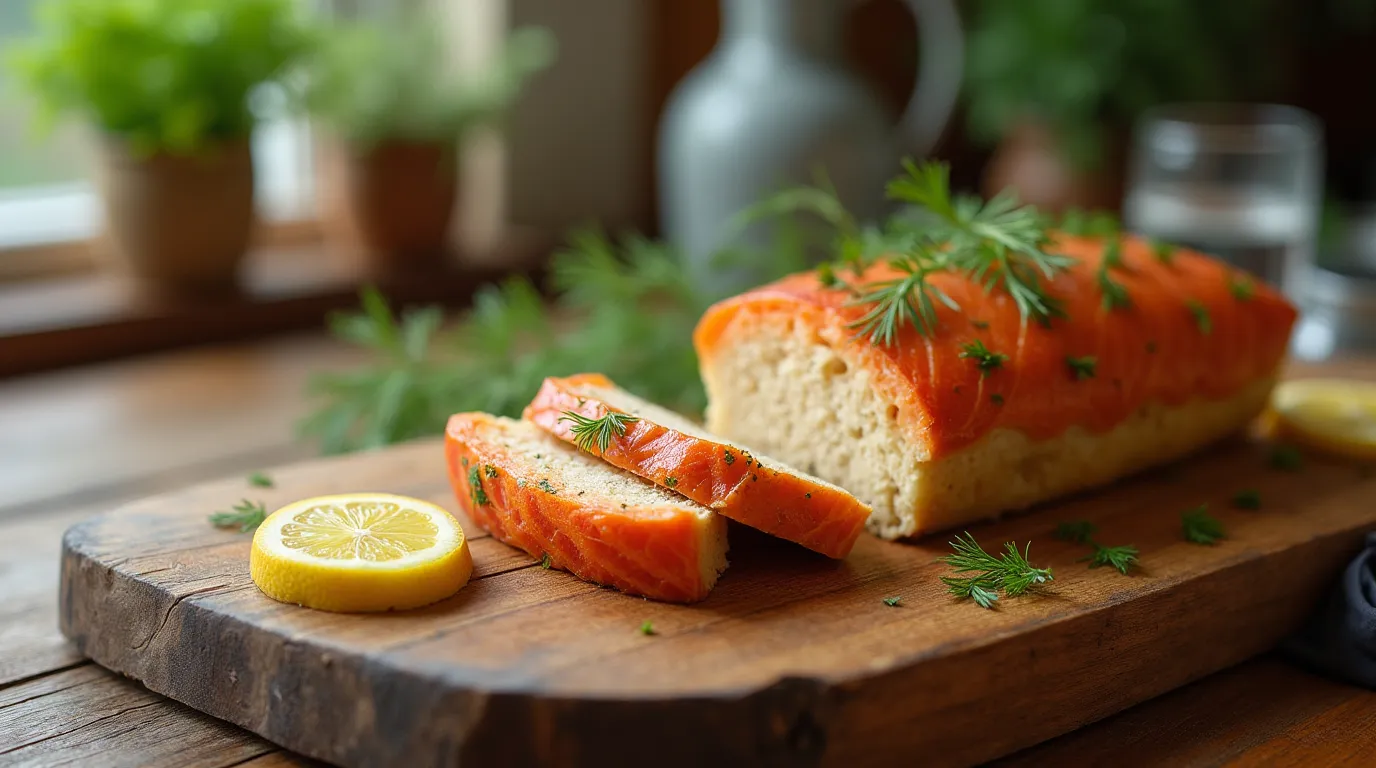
x=1240, y=181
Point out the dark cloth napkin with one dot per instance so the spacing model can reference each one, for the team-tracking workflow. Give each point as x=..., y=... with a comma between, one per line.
x=1340, y=640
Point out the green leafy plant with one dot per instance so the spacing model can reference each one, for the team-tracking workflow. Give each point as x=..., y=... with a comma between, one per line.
x=1082, y=66
x=246, y=515
x=391, y=78
x=162, y=75
x=625, y=310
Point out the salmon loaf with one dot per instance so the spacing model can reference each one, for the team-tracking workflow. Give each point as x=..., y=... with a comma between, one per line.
x=577, y=513
x=667, y=449
x=990, y=413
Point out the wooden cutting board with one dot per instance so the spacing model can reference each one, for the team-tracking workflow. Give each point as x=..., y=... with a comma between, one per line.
x=793, y=660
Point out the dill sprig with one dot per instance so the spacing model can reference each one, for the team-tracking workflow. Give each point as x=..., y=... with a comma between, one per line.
x=1121, y=558
x=1078, y=531
x=1082, y=367
x=893, y=602
x=1241, y=288
x=260, y=480
x=985, y=359
x=997, y=243
x=599, y=432
x=246, y=515
x=1247, y=499
x=1286, y=457
x=1200, y=527
x=1115, y=294
x=1010, y=573
x=1202, y=319
x=907, y=300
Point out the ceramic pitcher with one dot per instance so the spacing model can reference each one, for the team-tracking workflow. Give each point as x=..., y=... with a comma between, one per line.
x=774, y=103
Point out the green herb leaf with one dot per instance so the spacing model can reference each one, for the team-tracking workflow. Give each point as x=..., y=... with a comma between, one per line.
x=1287, y=458
x=1113, y=254
x=671, y=481
x=1202, y=319
x=1248, y=499
x=1199, y=527
x=728, y=457
x=1082, y=367
x=1121, y=558
x=545, y=562
x=1163, y=252
x=984, y=359
x=475, y=488
x=546, y=487
x=892, y=602
x=246, y=515
x=996, y=243
x=1078, y=531
x=1115, y=294
x=908, y=300
x=597, y=432
x=647, y=628
x=1010, y=572
x=260, y=480
x=1241, y=288
x=490, y=471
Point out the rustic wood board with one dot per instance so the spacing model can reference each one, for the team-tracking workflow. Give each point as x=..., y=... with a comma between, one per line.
x=793, y=660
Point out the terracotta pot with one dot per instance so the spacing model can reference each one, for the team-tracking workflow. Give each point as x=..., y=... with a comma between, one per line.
x=395, y=202
x=1030, y=161
x=179, y=223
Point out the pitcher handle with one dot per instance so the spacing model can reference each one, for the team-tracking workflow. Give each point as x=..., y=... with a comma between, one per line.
x=938, y=75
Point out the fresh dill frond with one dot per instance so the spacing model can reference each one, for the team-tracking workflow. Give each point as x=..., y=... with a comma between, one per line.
x=1082, y=367
x=1115, y=294
x=260, y=480
x=1287, y=458
x=892, y=602
x=1078, y=531
x=1241, y=288
x=908, y=300
x=1121, y=558
x=246, y=515
x=1248, y=499
x=998, y=243
x=1199, y=527
x=1010, y=573
x=475, y=488
x=1163, y=252
x=985, y=359
x=1113, y=253
x=599, y=432
x=1202, y=319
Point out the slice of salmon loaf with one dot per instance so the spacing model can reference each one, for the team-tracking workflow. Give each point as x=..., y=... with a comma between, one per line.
x=660, y=445
x=587, y=517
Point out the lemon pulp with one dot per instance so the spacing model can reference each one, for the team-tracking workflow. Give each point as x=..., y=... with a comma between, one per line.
x=359, y=530
x=360, y=552
x=1334, y=415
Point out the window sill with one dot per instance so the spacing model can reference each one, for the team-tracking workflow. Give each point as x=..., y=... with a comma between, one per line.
x=81, y=318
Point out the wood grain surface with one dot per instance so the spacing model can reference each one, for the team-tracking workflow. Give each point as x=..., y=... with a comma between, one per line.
x=792, y=660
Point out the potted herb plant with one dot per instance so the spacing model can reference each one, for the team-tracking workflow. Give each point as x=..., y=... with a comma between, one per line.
x=1055, y=85
x=166, y=85
x=386, y=90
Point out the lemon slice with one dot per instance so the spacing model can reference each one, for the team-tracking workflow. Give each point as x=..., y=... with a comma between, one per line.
x=360, y=552
x=1332, y=415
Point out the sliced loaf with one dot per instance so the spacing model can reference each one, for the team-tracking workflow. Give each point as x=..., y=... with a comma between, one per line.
x=586, y=516
x=661, y=446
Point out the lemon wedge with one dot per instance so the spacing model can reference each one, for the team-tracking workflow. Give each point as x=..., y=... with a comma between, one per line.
x=360, y=552
x=1331, y=415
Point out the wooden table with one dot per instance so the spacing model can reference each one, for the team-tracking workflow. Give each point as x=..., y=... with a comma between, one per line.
x=74, y=443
